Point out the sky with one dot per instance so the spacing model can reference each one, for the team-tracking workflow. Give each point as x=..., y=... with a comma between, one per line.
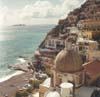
x=35, y=12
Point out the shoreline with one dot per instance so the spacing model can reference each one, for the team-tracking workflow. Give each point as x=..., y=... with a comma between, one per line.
x=10, y=76
x=17, y=80
x=13, y=84
x=17, y=72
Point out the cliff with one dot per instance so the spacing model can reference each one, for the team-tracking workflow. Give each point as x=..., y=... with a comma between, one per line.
x=90, y=10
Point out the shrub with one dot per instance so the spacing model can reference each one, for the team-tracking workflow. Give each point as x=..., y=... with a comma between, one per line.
x=22, y=93
x=18, y=94
x=35, y=83
x=29, y=89
x=48, y=72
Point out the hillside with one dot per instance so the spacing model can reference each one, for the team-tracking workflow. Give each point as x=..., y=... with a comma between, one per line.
x=86, y=17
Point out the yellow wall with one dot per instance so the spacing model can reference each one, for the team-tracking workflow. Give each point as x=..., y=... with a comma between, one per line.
x=42, y=90
x=87, y=34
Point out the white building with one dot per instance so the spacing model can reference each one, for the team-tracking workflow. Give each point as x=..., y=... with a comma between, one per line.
x=54, y=43
x=88, y=44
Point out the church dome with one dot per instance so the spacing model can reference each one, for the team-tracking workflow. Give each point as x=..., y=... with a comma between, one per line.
x=68, y=61
x=52, y=94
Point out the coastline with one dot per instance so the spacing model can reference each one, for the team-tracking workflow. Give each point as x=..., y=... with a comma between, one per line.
x=14, y=83
x=10, y=76
x=17, y=72
x=11, y=83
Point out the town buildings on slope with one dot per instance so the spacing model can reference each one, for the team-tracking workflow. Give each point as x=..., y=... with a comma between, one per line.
x=71, y=51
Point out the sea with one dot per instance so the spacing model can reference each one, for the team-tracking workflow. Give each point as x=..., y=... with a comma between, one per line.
x=18, y=41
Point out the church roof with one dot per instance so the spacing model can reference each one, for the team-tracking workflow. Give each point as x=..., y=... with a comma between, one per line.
x=68, y=61
x=92, y=68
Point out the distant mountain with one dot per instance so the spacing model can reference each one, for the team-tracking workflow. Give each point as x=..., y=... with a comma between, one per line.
x=19, y=25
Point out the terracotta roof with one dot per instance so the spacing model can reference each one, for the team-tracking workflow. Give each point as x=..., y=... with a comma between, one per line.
x=93, y=68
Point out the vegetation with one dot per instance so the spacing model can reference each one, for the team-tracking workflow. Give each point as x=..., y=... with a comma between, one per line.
x=22, y=93
x=29, y=89
x=48, y=72
x=35, y=83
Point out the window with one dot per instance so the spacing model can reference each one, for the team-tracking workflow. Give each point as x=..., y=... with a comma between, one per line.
x=80, y=48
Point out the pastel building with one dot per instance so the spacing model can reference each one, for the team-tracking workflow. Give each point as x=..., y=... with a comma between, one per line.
x=59, y=42
x=54, y=43
x=68, y=68
x=67, y=74
x=87, y=44
x=90, y=26
x=93, y=54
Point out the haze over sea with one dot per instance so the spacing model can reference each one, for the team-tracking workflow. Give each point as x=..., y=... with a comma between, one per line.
x=18, y=41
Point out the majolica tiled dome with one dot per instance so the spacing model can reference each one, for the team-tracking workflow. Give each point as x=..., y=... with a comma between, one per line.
x=68, y=61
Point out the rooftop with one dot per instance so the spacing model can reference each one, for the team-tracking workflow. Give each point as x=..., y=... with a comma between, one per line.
x=82, y=92
x=85, y=91
x=46, y=83
x=93, y=68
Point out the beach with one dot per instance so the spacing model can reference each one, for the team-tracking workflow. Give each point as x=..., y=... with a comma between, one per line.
x=17, y=41
x=10, y=86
